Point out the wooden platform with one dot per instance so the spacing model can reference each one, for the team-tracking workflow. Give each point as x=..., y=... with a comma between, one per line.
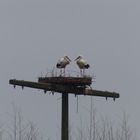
x=64, y=89
x=70, y=81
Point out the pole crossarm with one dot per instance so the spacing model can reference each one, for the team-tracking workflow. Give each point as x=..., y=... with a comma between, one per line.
x=64, y=89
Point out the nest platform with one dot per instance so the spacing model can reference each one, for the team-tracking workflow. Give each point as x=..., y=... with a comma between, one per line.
x=69, y=81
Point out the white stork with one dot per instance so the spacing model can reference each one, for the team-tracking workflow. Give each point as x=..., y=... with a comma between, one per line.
x=82, y=64
x=62, y=62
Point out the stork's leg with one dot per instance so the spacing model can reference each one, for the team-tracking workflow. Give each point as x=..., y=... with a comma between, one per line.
x=60, y=72
x=64, y=72
x=83, y=72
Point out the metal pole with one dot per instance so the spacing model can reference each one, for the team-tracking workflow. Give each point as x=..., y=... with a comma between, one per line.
x=65, y=117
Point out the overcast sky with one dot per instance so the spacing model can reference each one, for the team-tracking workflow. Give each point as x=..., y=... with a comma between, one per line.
x=34, y=34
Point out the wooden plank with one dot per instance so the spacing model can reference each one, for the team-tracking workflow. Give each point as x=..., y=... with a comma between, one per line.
x=64, y=89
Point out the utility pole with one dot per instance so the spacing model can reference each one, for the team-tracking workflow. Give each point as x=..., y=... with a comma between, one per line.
x=65, y=86
x=65, y=117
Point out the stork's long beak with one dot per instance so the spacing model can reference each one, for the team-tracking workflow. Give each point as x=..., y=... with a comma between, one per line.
x=68, y=58
x=77, y=58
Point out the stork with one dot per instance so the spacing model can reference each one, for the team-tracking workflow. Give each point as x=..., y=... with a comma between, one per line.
x=61, y=64
x=82, y=64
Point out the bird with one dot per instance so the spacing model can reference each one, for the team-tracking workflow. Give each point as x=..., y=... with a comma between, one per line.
x=62, y=63
x=82, y=64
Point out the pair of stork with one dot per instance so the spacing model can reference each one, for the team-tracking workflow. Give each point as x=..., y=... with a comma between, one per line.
x=64, y=61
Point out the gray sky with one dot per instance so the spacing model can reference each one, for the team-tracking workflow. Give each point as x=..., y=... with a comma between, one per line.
x=35, y=33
